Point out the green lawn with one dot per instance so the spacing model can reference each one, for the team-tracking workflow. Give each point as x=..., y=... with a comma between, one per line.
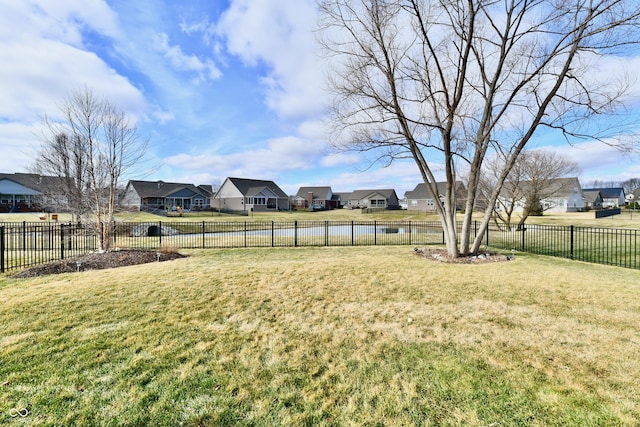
x=323, y=336
x=627, y=219
x=337, y=214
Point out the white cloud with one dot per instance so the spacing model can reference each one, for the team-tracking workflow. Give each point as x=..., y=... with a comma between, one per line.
x=46, y=55
x=18, y=142
x=280, y=36
x=599, y=161
x=279, y=155
x=204, y=69
x=340, y=159
x=163, y=116
x=401, y=176
x=42, y=59
x=62, y=20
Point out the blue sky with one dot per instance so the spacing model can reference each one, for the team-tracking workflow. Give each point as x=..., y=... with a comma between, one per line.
x=220, y=88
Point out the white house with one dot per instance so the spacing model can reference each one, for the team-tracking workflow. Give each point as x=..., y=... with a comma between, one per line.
x=558, y=195
x=611, y=197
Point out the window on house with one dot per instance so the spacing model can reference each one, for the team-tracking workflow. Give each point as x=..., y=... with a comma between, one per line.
x=414, y=203
x=430, y=202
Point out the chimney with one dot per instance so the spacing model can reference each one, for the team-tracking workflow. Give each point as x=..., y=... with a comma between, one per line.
x=310, y=199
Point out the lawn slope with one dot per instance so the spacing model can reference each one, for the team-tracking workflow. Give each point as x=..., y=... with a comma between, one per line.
x=323, y=336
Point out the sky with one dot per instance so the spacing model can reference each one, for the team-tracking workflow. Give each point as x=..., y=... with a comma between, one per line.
x=221, y=88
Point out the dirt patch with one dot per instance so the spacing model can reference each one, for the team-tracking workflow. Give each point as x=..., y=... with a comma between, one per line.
x=98, y=261
x=441, y=255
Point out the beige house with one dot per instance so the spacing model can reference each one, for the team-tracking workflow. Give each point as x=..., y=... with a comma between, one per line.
x=250, y=195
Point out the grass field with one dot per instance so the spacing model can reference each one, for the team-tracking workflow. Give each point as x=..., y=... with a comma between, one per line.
x=627, y=219
x=333, y=215
x=323, y=336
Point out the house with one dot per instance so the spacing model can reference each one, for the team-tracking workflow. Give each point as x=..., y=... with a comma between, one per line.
x=611, y=197
x=24, y=192
x=592, y=199
x=160, y=195
x=248, y=195
x=634, y=199
x=557, y=195
x=315, y=198
x=420, y=199
x=563, y=195
x=381, y=199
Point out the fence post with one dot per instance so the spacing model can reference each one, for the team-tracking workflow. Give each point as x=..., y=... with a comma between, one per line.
x=326, y=233
x=571, y=244
x=114, y=231
x=61, y=241
x=24, y=236
x=375, y=233
x=203, y=235
x=524, y=228
x=352, y=241
x=295, y=233
x=160, y=234
x=486, y=232
x=272, y=234
x=2, y=249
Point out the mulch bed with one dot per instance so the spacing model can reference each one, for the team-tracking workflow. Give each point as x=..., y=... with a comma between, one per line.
x=121, y=258
x=441, y=255
x=98, y=261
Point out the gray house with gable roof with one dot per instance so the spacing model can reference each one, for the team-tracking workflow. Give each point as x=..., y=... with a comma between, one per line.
x=382, y=199
x=420, y=198
x=613, y=197
x=160, y=195
x=24, y=192
x=315, y=198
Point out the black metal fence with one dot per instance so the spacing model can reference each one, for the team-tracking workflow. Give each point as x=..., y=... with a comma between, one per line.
x=27, y=244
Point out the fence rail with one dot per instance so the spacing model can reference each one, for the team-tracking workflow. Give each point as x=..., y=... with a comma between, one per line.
x=26, y=244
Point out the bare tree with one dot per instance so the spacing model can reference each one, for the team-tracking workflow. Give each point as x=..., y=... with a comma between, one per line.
x=630, y=185
x=536, y=176
x=65, y=157
x=91, y=148
x=512, y=190
x=599, y=183
x=448, y=82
